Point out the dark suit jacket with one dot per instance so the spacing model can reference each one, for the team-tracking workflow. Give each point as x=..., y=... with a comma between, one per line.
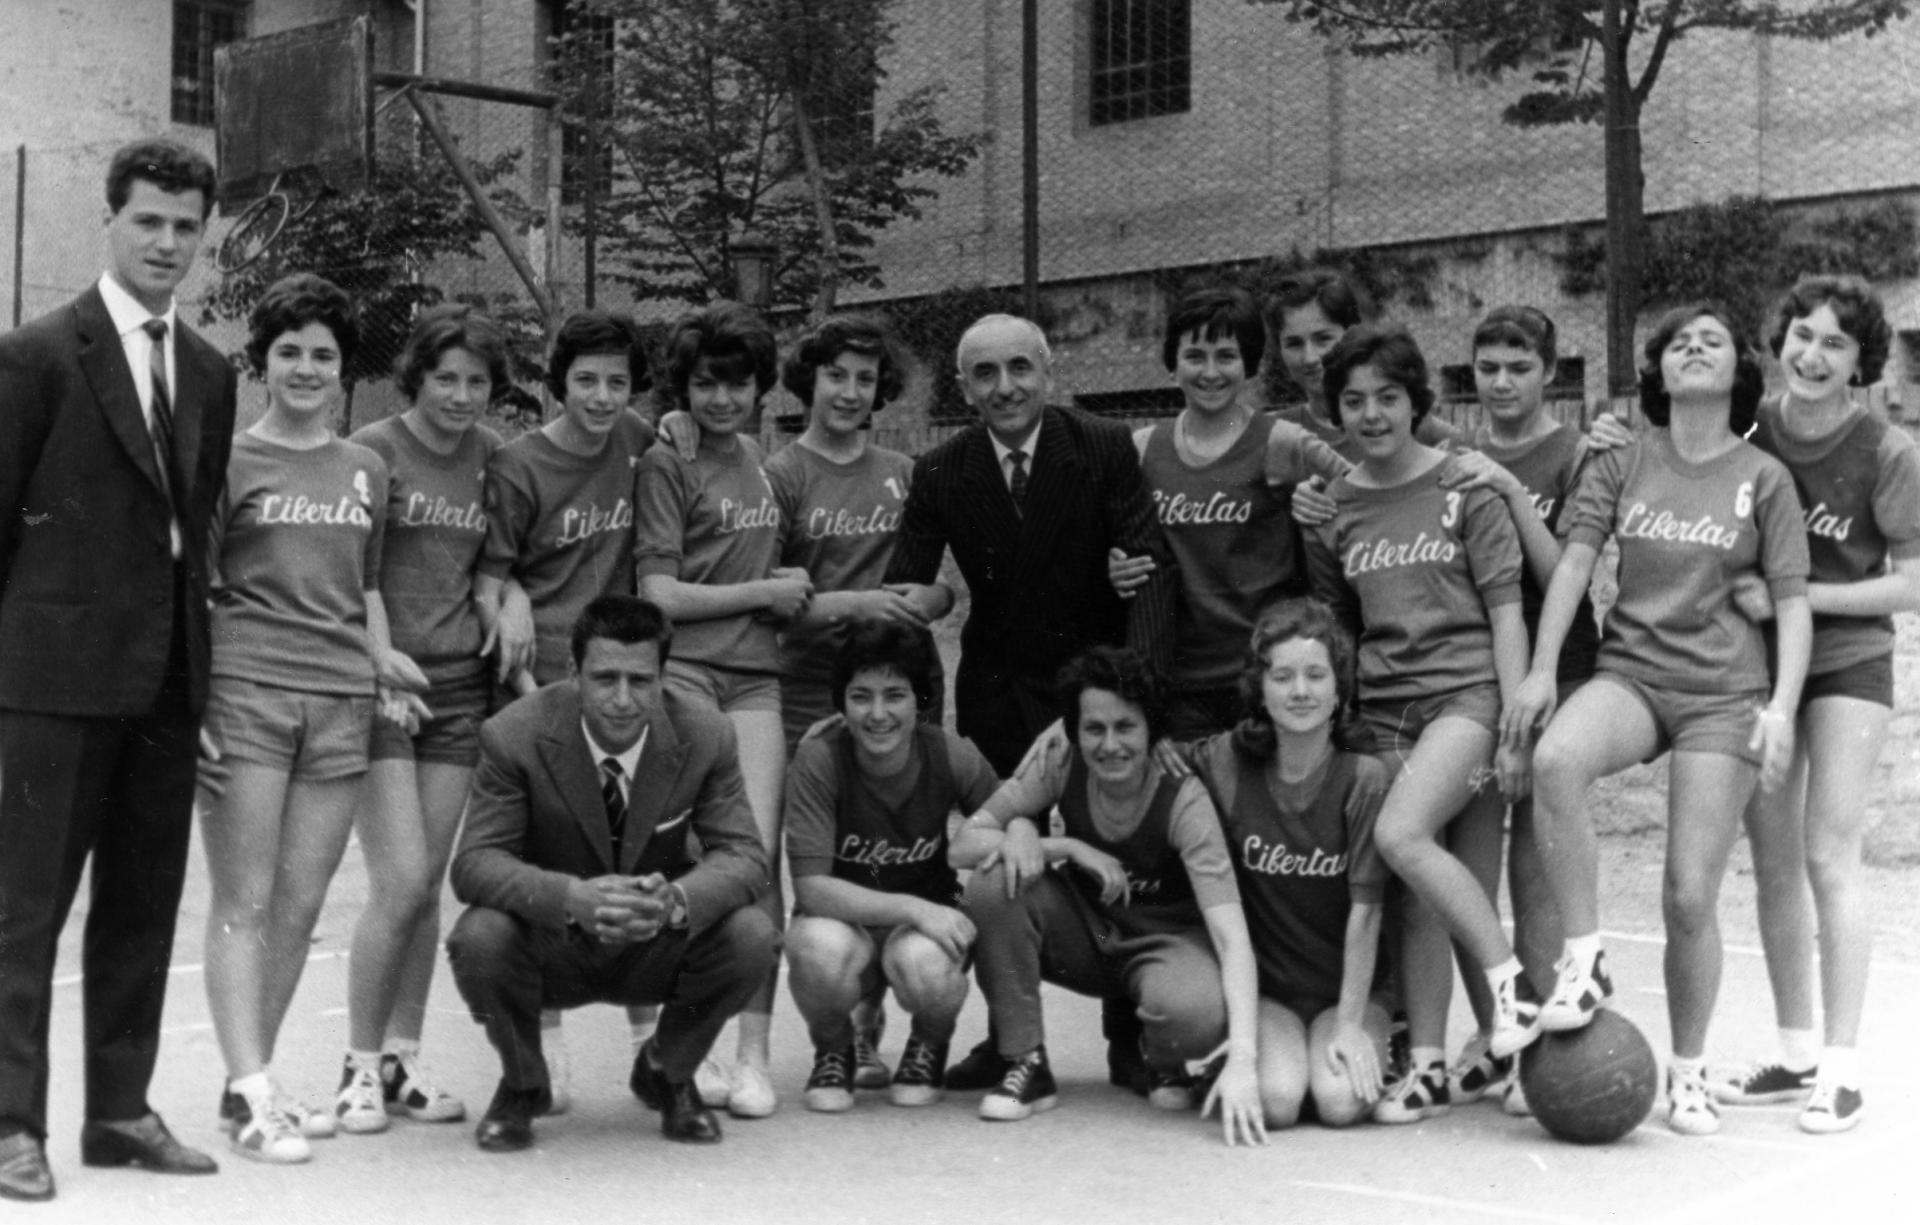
x=1038, y=582
x=86, y=560
x=535, y=819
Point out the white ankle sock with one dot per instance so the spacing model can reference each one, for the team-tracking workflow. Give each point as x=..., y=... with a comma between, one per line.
x=1425, y=1057
x=257, y=1089
x=1799, y=1049
x=1583, y=949
x=1497, y=976
x=370, y=1060
x=1840, y=1065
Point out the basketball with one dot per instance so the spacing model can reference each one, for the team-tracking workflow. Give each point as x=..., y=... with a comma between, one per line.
x=1591, y=1085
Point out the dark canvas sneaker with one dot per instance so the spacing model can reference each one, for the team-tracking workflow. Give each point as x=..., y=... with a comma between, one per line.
x=1765, y=1086
x=921, y=1078
x=830, y=1087
x=869, y=1071
x=1026, y=1087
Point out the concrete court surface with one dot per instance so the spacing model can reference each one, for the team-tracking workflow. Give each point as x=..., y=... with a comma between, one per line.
x=1103, y=1156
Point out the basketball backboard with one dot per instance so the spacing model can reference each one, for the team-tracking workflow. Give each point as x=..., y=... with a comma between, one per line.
x=300, y=98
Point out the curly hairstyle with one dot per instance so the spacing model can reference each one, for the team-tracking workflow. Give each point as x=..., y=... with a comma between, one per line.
x=733, y=340
x=1858, y=309
x=167, y=164
x=1214, y=314
x=1520, y=327
x=443, y=328
x=292, y=303
x=1299, y=617
x=1749, y=379
x=1390, y=349
x=1338, y=298
x=1121, y=671
x=885, y=646
x=596, y=333
x=862, y=334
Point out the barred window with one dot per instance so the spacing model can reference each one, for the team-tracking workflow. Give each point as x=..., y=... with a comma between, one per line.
x=1142, y=59
x=199, y=26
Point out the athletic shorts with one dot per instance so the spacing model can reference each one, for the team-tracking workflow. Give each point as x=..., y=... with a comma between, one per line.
x=1398, y=724
x=1306, y=1007
x=314, y=737
x=1870, y=680
x=451, y=737
x=723, y=689
x=1695, y=722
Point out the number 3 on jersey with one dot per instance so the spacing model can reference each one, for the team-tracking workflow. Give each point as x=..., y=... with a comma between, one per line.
x=1743, y=500
x=1452, y=515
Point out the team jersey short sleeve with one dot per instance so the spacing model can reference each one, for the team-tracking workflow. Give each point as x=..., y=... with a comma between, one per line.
x=1193, y=828
x=811, y=802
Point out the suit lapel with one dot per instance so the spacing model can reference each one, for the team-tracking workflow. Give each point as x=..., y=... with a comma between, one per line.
x=194, y=387
x=573, y=773
x=985, y=492
x=104, y=363
x=653, y=788
x=1056, y=477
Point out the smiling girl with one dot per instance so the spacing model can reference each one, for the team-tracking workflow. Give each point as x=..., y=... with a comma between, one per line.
x=1430, y=577
x=1691, y=507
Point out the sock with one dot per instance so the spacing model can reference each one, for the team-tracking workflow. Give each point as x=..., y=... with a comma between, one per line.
x=408, y=1047
x=1840, y=1065
x=370, y=1060
x=1583, y=949
x=550, y=1018
x=257, y=1089
x=642, y=1031
x=1425, y=1057
x=1678, y=1067
x=1498, y=976
x=1799, y=1049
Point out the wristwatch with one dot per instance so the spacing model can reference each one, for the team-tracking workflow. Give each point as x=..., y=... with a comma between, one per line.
x=677, y=913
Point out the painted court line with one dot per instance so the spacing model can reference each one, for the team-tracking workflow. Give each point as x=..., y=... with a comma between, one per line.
x=1450, y=1206
x=1722, y=1205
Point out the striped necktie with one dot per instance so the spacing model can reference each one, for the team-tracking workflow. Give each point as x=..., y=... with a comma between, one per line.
x=616, y=802
x=1019, y=482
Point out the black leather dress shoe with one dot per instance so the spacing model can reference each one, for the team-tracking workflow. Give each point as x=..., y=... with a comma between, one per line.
x=23, y=1169
x=982, y=1069
x=144, y=1142
x=683, y=1116
x=507, y=1127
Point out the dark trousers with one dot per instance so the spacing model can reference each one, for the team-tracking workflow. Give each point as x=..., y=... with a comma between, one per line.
x=1051, y=933
x=121, y=791
x=509, y=969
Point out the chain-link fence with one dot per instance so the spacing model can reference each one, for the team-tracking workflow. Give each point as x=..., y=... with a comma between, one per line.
x=1177, y=142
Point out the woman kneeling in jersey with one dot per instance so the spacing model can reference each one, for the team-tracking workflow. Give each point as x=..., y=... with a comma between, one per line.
x=877, y=903
x=1144, y=902
x=1298, y=808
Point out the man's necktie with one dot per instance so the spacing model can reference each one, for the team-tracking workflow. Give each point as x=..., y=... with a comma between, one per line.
x=1019, y=461
x=161, y=426
x=616, y=802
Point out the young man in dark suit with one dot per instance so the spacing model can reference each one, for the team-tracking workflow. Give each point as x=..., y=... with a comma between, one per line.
x=581, y=887
x=1030, y=501
x=115, y=424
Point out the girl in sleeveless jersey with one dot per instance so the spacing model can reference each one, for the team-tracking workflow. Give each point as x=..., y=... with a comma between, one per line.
x=1534, y=463
x=436, y=453
x=1691, y=507
x=1146, y=907
x=560, y=507
x=876, y=904
x=1859, y=480
x=1311, y=881
x=1431, y=578
x=1221, y=476
x=301, y=659
x=707, y=549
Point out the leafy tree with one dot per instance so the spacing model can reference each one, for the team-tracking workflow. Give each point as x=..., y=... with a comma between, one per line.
x=1580, y=55
x=725, y=116
x=380, y=244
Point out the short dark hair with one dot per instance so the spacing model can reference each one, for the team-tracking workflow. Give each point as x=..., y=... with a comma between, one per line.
x=624, y=619
x=733, y=339
x=293, y=302
x=1749, y=379
x=1300, y=617
x=1338, y=298
x=1856, y=307
x=596, y=333
x=167, y=164
x=1121, y=671
x=449, y=326
x=1225, y=311
x=888, y=646
x=1390, y=349
x=1521, y=327
x=862, y=334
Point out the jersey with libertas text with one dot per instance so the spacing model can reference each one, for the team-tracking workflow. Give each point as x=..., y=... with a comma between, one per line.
x=1860, y=488
x=1229, y=522
x=1160, y=894
x=713, y=521
x=839, y=521
x=299, y=539
x=561, y=525
x=436, y=526
x=1548, y=468
x=1417, y=566
x=1685, y=531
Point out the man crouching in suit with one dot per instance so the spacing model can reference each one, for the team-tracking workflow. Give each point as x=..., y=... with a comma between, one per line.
x=580, y=878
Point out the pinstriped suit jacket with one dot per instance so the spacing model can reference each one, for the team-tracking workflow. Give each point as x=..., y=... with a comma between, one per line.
x=1038, y=581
